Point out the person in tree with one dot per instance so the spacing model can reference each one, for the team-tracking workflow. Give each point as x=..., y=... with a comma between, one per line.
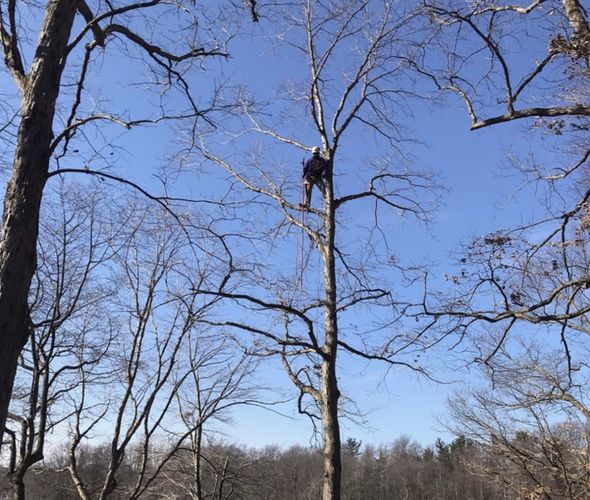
x=314, y=171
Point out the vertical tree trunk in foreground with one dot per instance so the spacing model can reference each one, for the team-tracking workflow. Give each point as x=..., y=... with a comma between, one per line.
x=17, y=484
x=18, y=252
x=329, y=382
x=331, y=431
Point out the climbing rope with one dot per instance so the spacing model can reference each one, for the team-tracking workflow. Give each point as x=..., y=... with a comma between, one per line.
x=301, y=256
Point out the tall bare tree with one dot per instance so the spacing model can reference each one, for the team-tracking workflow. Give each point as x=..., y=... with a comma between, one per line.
x=154, y=359
x=67, y=288
x=54, y=75
x=352, y=81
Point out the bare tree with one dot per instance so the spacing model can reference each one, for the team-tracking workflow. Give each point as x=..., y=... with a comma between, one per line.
x=144, y=385
x=170, y=376
x=355, y=82
x=74, y=246
x=530, y=421
x=217, y=382
x=520, y=295
x=54, y=75
x=536, y=273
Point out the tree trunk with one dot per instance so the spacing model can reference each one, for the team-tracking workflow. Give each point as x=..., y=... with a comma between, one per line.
x=576, y=16
x=78, y=483
x=331, y=432
x=16, y=480
x=18, y=487
x=329, y=389
x=20, y=222
x=199, y=443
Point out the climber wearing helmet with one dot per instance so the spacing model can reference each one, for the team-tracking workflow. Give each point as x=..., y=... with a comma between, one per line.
x=314, y=171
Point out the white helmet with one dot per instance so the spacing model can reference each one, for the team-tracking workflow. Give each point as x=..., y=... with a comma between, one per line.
x=315, y=150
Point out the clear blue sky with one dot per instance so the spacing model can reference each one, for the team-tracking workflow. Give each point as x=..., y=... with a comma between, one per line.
x=400, y=402
x=469, y=163
x=472, y=166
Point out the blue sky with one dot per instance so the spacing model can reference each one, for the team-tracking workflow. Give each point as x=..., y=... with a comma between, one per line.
x=401, y=402
x=472, y=167
x=479, y=199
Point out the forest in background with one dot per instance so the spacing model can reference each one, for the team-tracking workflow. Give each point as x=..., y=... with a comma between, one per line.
x=403, y=469
x=156, y=264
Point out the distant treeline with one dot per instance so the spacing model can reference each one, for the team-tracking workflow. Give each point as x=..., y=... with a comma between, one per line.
x=403, y=469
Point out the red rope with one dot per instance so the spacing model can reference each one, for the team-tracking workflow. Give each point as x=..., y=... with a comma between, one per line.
x=302, y=240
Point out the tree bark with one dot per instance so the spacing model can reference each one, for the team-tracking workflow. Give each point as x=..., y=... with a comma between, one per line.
x=18, y=244
x=17, y=484
x=331, y=432
x=329, y=388
x=577, y=17
x=198, y=471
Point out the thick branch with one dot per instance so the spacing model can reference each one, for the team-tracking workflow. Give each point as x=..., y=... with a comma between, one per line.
x=91, y=22
x=532, y=112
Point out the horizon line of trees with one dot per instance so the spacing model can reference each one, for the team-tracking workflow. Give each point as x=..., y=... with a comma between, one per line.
x=402, y=469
